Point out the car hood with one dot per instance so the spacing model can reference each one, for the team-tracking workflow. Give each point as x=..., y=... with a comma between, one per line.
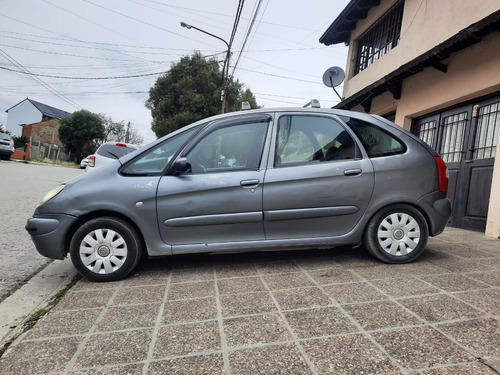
x=78, y=188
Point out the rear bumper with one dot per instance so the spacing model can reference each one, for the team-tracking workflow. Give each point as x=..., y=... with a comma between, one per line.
x=49, y=234
x=437, y=209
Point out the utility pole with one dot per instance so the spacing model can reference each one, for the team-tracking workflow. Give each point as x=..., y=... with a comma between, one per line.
x=228, y=56
x=127, y=134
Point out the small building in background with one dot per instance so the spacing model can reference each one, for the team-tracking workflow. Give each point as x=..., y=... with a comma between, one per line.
x=29, y=111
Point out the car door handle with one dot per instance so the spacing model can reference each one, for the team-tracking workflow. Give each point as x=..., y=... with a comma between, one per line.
x=249, y=182
x=353, y=172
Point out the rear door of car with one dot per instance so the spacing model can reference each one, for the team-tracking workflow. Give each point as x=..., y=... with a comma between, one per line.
x=317, y=183
x=219, y=199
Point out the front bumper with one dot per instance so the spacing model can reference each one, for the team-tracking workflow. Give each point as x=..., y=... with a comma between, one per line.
x=49, y=232
x=6, y=152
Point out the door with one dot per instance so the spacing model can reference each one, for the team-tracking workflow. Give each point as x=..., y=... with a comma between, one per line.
x=219, y=199
x=466, y=137
x=477, y=167
x=317, y=184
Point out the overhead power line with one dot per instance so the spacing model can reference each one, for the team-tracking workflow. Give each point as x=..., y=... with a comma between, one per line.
x=247, y=36
x=27, y=72
x=24, y=70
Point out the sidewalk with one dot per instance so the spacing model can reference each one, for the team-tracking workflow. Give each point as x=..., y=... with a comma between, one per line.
x=302, y=312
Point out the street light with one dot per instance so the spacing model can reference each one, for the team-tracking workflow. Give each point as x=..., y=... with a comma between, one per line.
x=187, y=26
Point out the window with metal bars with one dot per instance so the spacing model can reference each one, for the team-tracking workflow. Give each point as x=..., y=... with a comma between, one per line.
x=453, y=137
x=380, y=38
x=426, y=131
x=488, y=125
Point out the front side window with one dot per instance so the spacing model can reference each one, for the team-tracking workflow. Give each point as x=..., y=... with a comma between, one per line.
x=311, y=139
x=380, y=38
x=235, y=147
x=377, y=142
x=154, y=161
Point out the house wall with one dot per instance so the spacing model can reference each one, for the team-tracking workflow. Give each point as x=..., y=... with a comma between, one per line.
x=45, y=131
x=426, y=23
x=472, y=73
x=22, y=113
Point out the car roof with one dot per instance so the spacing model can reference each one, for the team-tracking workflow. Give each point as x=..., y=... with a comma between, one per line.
x=121, y=144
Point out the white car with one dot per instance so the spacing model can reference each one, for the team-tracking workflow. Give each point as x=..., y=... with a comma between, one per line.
x=108, y=152
x=84, y=162
x=6, y=146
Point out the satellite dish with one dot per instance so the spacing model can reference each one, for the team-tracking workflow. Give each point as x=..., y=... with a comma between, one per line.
x=333, y=76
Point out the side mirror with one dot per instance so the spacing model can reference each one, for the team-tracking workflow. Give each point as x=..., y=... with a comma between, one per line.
x=180, y=165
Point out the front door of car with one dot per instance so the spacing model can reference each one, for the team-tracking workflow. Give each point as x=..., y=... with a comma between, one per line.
x=318, y=184
x=219, y=197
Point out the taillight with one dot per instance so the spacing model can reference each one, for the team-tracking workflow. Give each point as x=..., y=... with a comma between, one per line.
x=91, y=161
x=442, y=174
x=121, y=144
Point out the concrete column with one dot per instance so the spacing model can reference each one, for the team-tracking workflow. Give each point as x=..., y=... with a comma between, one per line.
x=493, y=219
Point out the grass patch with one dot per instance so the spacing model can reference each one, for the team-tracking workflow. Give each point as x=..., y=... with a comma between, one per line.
x=56, y=162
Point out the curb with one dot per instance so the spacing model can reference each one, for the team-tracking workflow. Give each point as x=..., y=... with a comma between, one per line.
x=35, y=295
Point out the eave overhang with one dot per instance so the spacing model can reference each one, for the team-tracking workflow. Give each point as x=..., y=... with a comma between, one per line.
x=340, y=30
x=432, y=58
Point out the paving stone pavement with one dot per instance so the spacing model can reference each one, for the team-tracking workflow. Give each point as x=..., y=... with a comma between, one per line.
x=304, y=312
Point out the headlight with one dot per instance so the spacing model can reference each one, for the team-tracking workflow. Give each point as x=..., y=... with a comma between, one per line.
x=51, y=194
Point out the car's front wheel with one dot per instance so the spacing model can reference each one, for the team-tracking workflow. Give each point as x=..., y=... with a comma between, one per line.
x=105, y=249
x=397, y=234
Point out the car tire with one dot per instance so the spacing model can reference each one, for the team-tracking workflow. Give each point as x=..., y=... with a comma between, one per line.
x=105, y=249
x=397, y=234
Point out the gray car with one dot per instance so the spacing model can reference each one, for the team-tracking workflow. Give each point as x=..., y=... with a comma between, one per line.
x=253, y=180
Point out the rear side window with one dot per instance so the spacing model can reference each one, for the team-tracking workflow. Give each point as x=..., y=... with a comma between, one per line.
x=311, y=139
x=376, y=141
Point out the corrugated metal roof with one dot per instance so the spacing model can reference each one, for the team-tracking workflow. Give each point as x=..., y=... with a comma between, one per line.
x=49, y=111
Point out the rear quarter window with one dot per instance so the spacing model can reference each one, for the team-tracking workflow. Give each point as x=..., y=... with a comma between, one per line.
x=376, y=141
x=110, y=150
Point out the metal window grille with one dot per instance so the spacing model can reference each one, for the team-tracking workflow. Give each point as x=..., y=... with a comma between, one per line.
x=380, y=38
x=426, y=131
x=488, y=125
x=453, y=137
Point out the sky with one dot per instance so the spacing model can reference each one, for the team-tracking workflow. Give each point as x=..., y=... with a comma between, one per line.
x=105, y=55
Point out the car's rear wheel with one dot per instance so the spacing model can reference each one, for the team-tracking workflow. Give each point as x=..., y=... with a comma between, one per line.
x=105, y=249
x=397, y=234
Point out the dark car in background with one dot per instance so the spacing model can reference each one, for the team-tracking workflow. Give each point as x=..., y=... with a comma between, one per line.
x=6, y=146
x=267, y=179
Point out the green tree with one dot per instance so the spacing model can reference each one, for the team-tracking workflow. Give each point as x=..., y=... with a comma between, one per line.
x=80, y=130
x=119, y=132
x=190, y=91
